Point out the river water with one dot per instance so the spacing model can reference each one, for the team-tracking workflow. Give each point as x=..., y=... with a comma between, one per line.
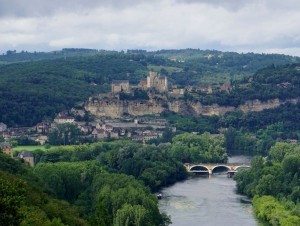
x=207, y=201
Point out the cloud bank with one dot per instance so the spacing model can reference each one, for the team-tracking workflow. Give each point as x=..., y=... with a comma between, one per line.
x=269, y=26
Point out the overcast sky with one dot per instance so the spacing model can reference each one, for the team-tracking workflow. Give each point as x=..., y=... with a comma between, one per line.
x=269, y=26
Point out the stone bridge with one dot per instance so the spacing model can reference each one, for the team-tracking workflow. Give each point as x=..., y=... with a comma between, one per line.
x=211, y=168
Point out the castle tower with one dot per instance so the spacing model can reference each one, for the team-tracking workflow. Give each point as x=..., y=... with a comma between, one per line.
x=150, y=79
x=154, y=80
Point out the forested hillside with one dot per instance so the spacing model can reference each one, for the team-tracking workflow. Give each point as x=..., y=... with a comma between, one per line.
x=206, y=67
x=12, y=56
x=35, y=86
x=33, y=91
x=282, y=82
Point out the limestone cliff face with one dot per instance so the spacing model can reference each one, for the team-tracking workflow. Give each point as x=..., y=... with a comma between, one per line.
x=257, y=105
x=181, y=107
x=145, y=108
x=118, y=108
x=214, y=109
x=100, y=108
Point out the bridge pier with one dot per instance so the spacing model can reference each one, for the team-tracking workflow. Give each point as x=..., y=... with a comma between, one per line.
x=231, y=173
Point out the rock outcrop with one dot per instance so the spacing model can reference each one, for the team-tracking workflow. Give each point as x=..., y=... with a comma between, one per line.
x=118, y=108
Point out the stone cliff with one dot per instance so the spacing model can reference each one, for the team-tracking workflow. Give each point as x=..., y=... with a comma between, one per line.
x=119, y=108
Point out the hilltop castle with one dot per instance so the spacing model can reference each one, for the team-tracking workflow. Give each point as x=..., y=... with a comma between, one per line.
x=154, y=81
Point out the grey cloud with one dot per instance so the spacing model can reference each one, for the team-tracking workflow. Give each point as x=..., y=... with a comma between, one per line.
x=34, y=8
x=232, y=25
x=234, y=5
x=227, y=4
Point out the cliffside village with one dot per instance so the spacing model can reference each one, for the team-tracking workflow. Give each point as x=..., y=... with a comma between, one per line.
x=135, y=127
x=140, y=129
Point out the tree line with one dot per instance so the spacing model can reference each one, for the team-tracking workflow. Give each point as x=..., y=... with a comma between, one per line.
x=274, y=183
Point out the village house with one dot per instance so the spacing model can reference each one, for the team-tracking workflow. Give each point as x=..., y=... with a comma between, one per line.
x=146, y=135
x=42, y=139
x=139, y=132
x=99, y=126
x=43, y=127
x=27, y=156
x=114, y=133
x=99, y=134
x=137, y=138
x=108, y=128
x=84, y=129
x=153, y=121
x=152, y=134
x=61, y=119
x=128, y=133
x=16, y=132
x=6, y=148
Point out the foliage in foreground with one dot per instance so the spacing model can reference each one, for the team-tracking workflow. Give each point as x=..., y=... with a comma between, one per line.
x=92, y=178
x=275, y=184
x=24, y=203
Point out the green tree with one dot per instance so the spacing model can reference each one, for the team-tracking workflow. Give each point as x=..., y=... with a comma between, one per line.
x=12, y=198
x=279, y=150
x=198, y=148
x=64, y=134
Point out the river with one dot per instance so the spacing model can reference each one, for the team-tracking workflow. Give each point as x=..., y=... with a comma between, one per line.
x=207, y=201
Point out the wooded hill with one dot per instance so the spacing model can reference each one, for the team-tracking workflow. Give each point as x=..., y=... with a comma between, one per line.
x=35, y=86
x=282, y=82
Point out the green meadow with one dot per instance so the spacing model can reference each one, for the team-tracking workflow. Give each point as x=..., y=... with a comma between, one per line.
x=30, y=148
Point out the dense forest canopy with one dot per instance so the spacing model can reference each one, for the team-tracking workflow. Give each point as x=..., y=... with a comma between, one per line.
x=33, y=91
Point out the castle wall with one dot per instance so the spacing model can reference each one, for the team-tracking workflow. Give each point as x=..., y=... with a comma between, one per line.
x=119, y=86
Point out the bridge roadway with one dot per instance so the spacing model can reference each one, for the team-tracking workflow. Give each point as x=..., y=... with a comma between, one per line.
x=211, y=168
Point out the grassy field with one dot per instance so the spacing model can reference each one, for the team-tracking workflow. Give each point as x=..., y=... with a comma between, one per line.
x=29, y=148
x=168, y=69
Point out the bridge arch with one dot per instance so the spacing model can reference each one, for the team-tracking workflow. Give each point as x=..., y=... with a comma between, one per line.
x=237, y=168
x=199, y=168
x=220, y=168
